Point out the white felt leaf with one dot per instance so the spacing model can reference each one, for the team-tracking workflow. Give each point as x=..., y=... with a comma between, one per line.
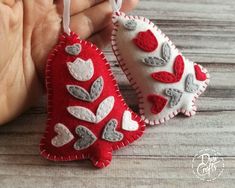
x=104, y=108
x=127, y=123
x=81, y=70
x=82, y=113
x=64, y=136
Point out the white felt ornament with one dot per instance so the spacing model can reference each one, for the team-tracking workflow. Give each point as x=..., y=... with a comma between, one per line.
x=166, y=82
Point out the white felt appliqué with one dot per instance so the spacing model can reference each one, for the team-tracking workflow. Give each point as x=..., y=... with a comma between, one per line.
x=82, y=113
x=139, y=65
x=81, y=70
x=87, y=138
x=63, y=137
x=82, y=94
x=104, y=108
x=127, y=123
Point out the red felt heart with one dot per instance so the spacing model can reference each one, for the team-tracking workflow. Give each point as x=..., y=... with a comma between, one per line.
x=158, y=102
x=146, y=41
x=167, y=77
x=84, y=100
x=201, y=76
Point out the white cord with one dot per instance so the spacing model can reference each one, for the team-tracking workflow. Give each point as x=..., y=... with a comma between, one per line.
x=116, y=5
x=66, y=16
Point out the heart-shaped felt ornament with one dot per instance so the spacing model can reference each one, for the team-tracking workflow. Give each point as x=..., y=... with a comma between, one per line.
x=146, y=55
x=87, y=116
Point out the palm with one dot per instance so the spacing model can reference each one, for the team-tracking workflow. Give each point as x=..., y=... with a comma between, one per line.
x=28, y=31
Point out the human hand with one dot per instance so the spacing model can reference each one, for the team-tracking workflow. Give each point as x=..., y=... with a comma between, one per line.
x=28, y=31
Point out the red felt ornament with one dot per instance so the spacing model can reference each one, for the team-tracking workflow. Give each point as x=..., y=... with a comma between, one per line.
x=87, y=116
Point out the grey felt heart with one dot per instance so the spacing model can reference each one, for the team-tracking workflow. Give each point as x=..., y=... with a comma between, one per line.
x=130, y=25
x=175, y=95
x=110, y=133
x=87, y=138
x=82, y=94
x=154, y=61
x=166, y=51
x=74, y=49
x=190, y=86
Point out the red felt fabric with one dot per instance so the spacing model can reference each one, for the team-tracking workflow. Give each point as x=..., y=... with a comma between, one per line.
x=158, y=101
x=57, y=77
x=146, y=41
x=167, y=77
x=201, y=76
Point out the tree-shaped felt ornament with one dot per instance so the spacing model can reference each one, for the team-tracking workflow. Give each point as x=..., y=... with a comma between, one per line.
x=87, y=116
x=166, y=82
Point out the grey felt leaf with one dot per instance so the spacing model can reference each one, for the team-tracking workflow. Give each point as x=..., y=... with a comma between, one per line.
x=130, y=25
x=82, y=94
x=110, y=133
x=166, y=51
x=175, y=95
x=79, y=92
x=87, y=138
x=96, y=88
x=154, y=61
x=74, y=49
x=190, y=86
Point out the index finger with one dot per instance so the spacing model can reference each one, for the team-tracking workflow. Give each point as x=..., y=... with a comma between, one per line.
x=76, y=5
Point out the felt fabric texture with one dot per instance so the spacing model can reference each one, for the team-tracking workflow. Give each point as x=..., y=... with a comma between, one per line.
x=87, y=116
x=166, y=82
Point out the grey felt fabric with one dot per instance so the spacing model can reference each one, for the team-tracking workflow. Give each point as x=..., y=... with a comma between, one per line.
x=130, y=25
x=190, y=86
x=175, y=95
x=74, y=49
x=110, y=133
x=96, y=88
x=166, y=51
x=82, y=94
x=87, y=138
x=154, y=61
x=78, y=92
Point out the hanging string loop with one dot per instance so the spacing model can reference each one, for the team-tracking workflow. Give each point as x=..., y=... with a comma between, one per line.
x=116, y=5
x=66, y=16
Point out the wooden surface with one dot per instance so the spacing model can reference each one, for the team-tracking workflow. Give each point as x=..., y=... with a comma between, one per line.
x=204, y=30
